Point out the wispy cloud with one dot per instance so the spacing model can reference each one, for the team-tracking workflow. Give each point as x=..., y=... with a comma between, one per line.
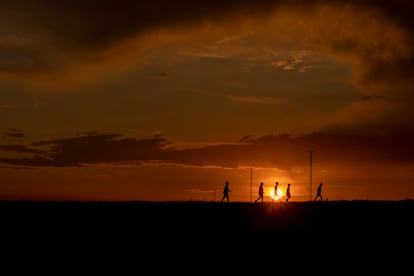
x=15, y=133
x=254, y=99
x=299, y=61
x=159, y=74
x=21, y=149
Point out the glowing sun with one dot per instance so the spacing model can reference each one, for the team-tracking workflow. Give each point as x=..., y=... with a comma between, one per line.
x=278, y=195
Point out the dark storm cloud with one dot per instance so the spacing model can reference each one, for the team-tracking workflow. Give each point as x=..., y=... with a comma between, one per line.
x=285, y=151
x=96, y=24
x=274, y=151
x=35, y=30
x=90, y=148
x=97, y=148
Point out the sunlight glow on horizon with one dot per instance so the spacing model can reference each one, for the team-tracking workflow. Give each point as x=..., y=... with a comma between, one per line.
x=278, y=196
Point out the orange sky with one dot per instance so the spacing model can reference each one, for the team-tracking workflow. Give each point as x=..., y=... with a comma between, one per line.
x=168, y=101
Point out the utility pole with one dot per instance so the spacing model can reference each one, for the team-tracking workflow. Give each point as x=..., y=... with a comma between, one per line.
x=310, y=173
x=251, y=184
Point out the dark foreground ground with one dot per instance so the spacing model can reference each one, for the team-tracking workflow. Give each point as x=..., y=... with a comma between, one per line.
x=188, y=229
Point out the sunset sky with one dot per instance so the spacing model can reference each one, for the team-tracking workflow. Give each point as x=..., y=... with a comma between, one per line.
x=168, y=100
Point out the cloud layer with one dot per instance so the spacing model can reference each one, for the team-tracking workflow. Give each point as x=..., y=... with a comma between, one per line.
x=61, y=43
x=274, y=151
x=65, y=36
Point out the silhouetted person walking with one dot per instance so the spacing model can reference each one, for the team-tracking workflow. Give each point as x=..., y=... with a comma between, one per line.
x=261, y=192
x=319, y=192
x=226, y=191
x=288, y=192
x=275, y=194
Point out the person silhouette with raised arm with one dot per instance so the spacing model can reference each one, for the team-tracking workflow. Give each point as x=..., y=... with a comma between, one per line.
x=319, y=192
x=288, y=192
x=261, y=192
x=226, y=191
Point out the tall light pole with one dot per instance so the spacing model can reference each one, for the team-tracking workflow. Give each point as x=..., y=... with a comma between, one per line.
x=310, y=173
x=251, y=184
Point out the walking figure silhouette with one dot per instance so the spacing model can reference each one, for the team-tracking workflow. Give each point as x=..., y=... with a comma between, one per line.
x=226, y=191
x=261, y=192
x=319, y=192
